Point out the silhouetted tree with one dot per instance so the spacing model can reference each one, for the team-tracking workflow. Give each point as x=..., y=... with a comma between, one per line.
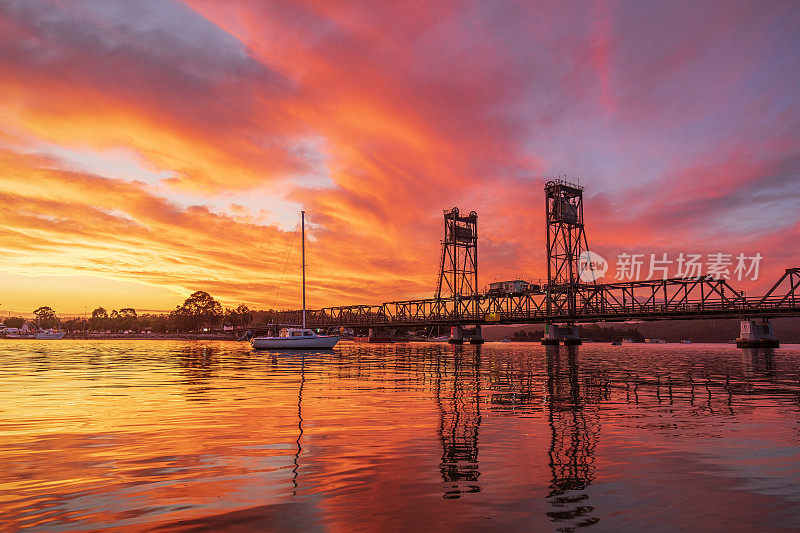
x=73, y=324
x=14, y=322
x=113, y=322
x=46, y=317
x=524, y=335
x=241, y=316
x=99, y=320
x=154, y=323
x=600, y=333
x=128, y=318
x=198, y=309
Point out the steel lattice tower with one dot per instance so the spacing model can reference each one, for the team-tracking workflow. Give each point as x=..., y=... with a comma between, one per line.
x=458, y=267
x=566, y=240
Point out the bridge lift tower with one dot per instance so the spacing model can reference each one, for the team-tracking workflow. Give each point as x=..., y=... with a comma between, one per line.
x=458, y=267
x=566, y=241
x=458, y=270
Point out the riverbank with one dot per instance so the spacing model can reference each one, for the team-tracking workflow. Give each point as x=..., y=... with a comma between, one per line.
x=145, y=336
x=156, y=336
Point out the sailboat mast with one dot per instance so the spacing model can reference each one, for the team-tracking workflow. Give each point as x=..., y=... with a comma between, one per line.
x=303, y=234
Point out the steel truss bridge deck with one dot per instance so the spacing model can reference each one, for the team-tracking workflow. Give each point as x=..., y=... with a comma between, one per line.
x=676, y=298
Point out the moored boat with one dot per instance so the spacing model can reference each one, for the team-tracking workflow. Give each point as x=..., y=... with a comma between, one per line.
x=297, y=338
x=50, y=334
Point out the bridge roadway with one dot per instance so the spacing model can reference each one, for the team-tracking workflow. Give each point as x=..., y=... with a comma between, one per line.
x=669, y=299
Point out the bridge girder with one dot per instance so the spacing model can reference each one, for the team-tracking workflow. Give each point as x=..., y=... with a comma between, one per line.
x=674, y=298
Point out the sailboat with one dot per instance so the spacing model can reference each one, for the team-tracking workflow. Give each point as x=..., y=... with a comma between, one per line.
x=297, y=338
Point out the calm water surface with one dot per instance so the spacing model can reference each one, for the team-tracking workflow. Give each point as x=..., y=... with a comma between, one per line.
x=164, y=435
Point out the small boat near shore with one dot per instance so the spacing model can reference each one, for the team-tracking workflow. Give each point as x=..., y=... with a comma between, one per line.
x=50, y=334
x=45, y=334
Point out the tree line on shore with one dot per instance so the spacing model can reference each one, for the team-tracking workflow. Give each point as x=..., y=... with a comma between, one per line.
x=714, y=330
x=593, y=332
x=199, y=312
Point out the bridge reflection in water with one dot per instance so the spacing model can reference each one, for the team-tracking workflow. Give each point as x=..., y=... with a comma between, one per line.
x=458, y=400
x=574, y=429
x=573, y=439
x=569, y=397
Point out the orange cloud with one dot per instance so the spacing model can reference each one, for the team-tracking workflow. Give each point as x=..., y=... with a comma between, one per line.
x=374, y=119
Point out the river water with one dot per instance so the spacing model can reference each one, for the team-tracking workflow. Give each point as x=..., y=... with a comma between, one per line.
x=183, y=435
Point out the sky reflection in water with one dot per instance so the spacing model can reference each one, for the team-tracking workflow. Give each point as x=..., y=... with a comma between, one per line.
x=175, y=435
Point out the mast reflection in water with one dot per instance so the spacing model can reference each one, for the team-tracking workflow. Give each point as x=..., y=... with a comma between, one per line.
x=295, y=470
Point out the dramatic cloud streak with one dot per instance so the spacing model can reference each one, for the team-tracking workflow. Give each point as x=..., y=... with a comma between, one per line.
x=681, y=120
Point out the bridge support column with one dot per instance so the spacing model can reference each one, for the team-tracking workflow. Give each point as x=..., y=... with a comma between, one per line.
x=473, y=335
x=566, y=334
x=460, y=335
x=456, y=335
x=477, y=336
x=755, y=334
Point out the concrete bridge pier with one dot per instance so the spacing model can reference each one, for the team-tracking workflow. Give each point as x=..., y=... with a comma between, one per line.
x=475, y=336
x=566, y=334
x=460, y=335
x=756, y=334
x=456, y=335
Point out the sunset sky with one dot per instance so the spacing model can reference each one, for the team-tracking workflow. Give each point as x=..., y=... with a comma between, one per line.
x=149, y=149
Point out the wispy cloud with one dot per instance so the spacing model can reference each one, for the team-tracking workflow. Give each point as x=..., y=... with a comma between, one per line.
x=168, y=143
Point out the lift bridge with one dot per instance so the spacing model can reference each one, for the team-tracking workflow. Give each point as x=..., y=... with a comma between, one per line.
x=566, y=299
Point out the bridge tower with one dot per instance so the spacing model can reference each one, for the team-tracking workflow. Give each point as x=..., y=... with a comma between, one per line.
x=458, y=267
x=566, y=241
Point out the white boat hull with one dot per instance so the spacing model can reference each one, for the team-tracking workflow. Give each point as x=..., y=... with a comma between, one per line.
x=295, y=343
x=46, y=335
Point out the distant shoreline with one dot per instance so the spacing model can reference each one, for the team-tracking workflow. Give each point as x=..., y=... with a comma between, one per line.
x=169, y=337
x=222, y=337
x=132, y=336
